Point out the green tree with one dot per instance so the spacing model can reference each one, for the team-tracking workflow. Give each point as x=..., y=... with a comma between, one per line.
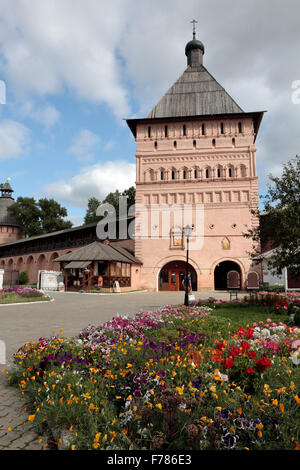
x=36, y=218
x=279, y=226
x=52, y=216
x=113, y=199
x=27, y=213
x=90, y=216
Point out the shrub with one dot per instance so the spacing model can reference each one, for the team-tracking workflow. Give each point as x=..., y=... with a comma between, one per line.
x=23, y=278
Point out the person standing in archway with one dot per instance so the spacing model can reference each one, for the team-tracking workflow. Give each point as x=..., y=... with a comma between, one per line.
x=100, y=282
x=187, y=282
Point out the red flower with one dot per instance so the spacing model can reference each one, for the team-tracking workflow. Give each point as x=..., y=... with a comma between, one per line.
x=263, y=363
x=234, y=351
x=250, y=333
x=241, y=332
x=245, y=346
x=252, y=354
x=228, y=363
x=220, y=346
x=250, y=371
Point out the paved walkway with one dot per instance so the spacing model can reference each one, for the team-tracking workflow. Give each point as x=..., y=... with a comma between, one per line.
x=71, y=312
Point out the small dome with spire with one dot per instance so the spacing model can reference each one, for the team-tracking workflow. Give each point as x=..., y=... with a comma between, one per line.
x=194, y=50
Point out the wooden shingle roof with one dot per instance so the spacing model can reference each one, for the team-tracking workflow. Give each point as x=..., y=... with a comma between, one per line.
x=98, y=251
x=195, y=93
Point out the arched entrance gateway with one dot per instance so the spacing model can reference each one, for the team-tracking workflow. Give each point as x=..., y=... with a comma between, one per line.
x=221, y=274
x=172, y=274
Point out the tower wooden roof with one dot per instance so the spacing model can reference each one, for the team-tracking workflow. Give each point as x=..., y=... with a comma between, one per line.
x=195, y=93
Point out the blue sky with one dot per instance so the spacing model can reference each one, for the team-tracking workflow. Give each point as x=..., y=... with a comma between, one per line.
x=74, y=70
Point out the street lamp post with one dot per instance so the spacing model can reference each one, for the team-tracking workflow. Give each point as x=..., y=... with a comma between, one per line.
x=187, y=232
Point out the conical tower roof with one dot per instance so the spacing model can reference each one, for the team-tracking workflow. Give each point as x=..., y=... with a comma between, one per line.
x=6, y=200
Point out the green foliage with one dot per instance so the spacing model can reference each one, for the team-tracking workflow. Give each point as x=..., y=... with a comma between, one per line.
x=280, y=221
x=38, y=217
x=113, y=199
x=275, y=288
x=90, y=216
x=23, y=278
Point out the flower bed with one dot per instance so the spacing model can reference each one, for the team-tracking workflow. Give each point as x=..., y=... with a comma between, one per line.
x=17, y=294
x=174, y=379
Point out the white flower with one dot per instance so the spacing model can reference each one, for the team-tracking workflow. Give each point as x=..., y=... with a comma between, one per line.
x=295, y=358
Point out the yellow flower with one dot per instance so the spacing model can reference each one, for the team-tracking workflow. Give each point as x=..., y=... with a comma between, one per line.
x=9, y=429
x=219, y=408
x=95, y=445
x=159, y=406
x=31, y=418
x=259, y=426
x=212, y=389
x=259, y=433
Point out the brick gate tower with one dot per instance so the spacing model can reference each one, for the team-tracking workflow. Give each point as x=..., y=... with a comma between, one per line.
x=196, y=147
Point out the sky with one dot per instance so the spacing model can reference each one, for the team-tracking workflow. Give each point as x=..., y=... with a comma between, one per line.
x=72, y=72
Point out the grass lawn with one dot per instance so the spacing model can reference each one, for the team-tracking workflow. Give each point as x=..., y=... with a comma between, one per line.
x=244, y=314
x=16, y=299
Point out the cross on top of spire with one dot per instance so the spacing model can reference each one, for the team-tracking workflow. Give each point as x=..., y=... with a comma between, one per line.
x=194, y=28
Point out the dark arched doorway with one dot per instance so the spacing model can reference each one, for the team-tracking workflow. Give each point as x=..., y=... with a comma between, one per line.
x=172, y=274
x=221, y=271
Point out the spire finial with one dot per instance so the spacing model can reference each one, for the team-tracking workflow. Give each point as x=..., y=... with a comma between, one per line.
x=194, y=28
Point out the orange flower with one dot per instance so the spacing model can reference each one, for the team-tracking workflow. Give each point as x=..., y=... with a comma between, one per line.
x=281, y=407
x=31, y=418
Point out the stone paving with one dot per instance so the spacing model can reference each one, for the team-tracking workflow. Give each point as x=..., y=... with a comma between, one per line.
x=71, y=312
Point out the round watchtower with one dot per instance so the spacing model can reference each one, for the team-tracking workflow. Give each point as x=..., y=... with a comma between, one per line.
x=9, y=228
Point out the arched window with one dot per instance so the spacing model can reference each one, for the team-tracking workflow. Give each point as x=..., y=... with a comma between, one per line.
x=149, y=132
x=173, y=175
x=214, y=142
x=207, y=173
x=230, y=172
x=166, y=131
x=243, y=171
x=194, y=144
x=222, y=128
x=195, y=173
x=233, y=142
x=203, y=129
x=175, y=144
x=219, y=172
x=155, y=145
x=240, y=128
x=184, y=130
x=162, y=175
x=184, y=174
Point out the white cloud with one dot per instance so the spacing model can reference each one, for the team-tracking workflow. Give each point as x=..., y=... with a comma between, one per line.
x=75, y=219
x=47, y=115
x=14, y=139
x=83, y=145
x=48, y=46
x=94, y=181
